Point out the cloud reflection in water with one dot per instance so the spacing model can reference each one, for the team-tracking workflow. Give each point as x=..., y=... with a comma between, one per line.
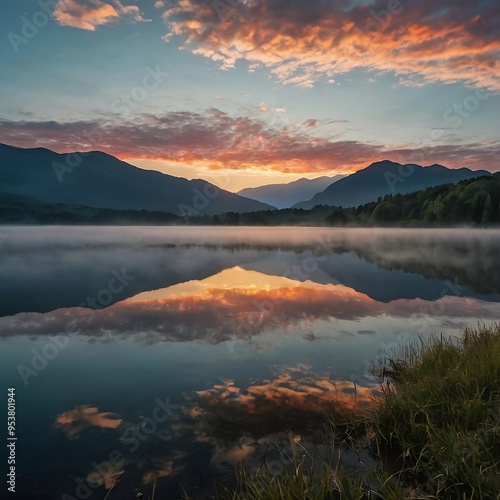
x=74, y=421
x=235, y=304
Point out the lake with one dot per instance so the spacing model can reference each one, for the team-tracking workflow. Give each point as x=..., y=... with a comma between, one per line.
x=157, y=357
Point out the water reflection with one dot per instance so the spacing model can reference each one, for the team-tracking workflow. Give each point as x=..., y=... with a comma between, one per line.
x=231, y=422
x=64, y=266
x=250, y=331
x=236, y=304
x=297, y=399
x=74, y=421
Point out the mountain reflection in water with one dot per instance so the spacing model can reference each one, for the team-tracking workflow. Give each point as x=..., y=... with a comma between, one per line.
x=221, y=341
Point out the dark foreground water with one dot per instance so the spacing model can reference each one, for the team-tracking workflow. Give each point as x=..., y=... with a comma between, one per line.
x=171, y=354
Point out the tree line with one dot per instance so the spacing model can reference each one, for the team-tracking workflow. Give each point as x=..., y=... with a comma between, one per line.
x=472, y=202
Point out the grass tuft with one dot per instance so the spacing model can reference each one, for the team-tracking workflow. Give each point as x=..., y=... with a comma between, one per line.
x=441, y=414
x=434, y=432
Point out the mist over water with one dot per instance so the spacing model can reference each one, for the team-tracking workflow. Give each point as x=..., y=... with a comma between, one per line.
x=241, y=333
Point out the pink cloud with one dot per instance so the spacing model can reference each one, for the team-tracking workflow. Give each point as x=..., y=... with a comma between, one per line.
x=89, y=14
x=74, y=421
x=216, y=140
x=300, y=43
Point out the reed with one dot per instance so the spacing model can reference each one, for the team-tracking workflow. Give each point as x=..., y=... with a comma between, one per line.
x=434, y=432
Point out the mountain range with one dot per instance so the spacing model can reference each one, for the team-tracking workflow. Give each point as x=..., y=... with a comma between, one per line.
x=97, y=179
x=286, y=195
x=386, y=177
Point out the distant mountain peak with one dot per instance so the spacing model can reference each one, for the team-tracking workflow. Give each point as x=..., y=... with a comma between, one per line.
x=286, y=195
x=372, y=182
x=383, y=162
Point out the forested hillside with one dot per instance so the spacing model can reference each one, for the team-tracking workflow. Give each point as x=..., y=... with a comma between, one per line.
x=473, y=201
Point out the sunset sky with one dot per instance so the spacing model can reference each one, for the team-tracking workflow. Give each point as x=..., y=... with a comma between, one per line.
x=248, y=92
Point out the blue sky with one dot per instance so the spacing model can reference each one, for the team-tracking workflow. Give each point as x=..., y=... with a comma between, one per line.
x=248, y=92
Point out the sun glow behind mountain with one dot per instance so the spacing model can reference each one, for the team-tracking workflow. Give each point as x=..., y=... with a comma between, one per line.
x=260, y=92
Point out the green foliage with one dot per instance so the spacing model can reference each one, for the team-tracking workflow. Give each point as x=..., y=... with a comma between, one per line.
x=337, y=219
x=15, y=211
x=307, y=477
x=385, y=212
x=473, y=201
x=441, y=413
x=434, y=431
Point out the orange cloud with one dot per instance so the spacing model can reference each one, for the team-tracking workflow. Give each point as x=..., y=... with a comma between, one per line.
x=74, y=421
x=88, y=15
x=247, y=423
x=219, y=309
x=296, y=399
x=163, y=467
x=108, y=479
x=213, y=312
x=216, y=140
x=422, y=42
x=313, y=394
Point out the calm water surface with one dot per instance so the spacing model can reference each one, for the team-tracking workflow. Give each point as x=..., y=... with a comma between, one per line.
x=171, y=354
